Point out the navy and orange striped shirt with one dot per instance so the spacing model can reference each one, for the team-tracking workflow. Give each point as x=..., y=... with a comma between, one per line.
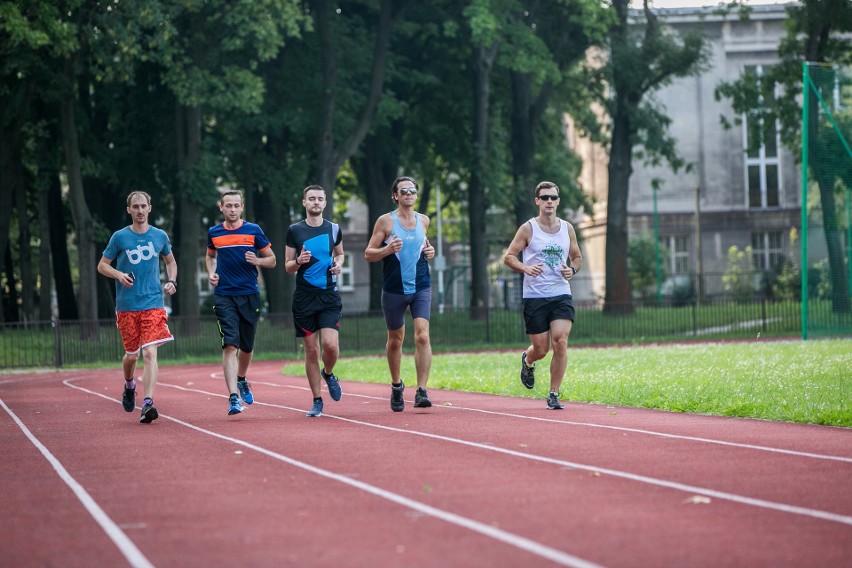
x=236, y=276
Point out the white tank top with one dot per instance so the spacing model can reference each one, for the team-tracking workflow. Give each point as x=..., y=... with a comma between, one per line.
x=551, y=251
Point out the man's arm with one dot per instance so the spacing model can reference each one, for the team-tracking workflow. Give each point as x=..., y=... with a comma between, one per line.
x=105, y=267
x=375, y=251
x=575, y=257
x=211, y=261
x=265, y=260
x=171, y=274
x=510, y=259
x=337, y=259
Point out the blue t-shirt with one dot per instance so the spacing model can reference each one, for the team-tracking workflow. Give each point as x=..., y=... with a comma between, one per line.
x=236, y=276
x=140, y=255
x=407, y=271
x=320, y=241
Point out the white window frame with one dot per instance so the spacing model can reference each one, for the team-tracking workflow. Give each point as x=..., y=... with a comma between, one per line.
x=766, y=253
x=674, y=254
x=347, y=272
x=761, y=160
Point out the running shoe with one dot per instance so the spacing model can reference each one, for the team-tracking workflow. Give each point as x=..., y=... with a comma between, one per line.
x=553, y=402
x=397, y=403
x=149, y=413
x=333, y=385
x=245, y=391
x=421, y=399
x=235, y=407
x=128, y=399
x=316, y=410
x=527, y=373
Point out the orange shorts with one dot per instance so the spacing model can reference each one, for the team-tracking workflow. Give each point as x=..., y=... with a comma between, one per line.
x=143, y=328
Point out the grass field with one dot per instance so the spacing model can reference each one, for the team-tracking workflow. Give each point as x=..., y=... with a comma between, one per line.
x=808, y=382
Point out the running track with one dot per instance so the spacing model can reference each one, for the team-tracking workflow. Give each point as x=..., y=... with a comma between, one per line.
x=476, y=480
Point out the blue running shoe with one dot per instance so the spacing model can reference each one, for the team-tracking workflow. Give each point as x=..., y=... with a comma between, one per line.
x=333, y=385
x=245, y=391
x=235, y=408
x=316, y=410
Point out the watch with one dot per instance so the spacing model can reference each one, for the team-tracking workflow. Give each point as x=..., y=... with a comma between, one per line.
x=172, y=282
x=571, y=266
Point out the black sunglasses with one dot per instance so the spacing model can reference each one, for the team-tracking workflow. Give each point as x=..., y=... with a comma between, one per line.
x=548, y=197
x=407, y=191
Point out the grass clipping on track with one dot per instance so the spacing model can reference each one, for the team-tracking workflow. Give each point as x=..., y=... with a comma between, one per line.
x=809, y=382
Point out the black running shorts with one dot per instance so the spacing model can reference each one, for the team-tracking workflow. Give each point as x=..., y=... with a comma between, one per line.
x=539, y=312
x=313, y=311
x=237, y=317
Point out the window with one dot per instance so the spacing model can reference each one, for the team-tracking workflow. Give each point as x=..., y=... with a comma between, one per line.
x=767, y=250
x=762, y=167
x=678, y=253
x=344, y=281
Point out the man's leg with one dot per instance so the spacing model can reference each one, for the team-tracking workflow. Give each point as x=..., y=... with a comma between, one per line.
x=243, y=362
x=149, y=374
x=559, y=331
x=229, y=366
x=128, y=365
x=312, y=368
x=393, y=350
x=422, y=351
x=330, y=348
x=540, y=343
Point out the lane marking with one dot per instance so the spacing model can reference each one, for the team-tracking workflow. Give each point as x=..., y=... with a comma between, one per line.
x=608, y=427
x=517, y=541
x=125, y=546
x=692, y=489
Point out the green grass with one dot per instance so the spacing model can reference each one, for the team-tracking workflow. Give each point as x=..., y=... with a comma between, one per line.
x=796, y=381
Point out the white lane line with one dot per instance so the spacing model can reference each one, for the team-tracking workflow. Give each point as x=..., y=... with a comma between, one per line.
x=528, y=545
x=692, y=489
x=125, y=546
x=616, y=428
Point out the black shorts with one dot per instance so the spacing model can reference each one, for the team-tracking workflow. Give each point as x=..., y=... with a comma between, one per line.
x=237, y=317
x=539, y=312
x=313, y=311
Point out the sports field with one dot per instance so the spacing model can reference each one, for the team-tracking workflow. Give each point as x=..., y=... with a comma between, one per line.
x=476, y=480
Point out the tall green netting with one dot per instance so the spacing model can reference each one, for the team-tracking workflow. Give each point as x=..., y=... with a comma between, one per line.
x=826, y=209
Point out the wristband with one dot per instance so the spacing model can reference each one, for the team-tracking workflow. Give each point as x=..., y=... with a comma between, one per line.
x=172, y=282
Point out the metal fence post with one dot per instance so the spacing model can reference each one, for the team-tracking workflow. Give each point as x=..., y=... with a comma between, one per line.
x=57, y=344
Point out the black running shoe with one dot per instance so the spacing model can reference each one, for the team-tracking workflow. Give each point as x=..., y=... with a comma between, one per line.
x=128, y=399
x=527, y=373
x=553, y=402
x=149, y=413
x=421, y=399
x=397, y=403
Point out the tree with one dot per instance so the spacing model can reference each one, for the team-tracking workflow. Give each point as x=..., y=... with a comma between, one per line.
x=644, y=57
x=817, y=31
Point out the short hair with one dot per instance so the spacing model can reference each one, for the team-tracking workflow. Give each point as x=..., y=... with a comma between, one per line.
x=546, y=185
x=135, y=193
x=230, y=192
x=313, y=188
x=401, y=179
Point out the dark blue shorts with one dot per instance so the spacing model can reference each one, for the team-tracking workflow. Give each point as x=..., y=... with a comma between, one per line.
x=394, y=305
x=237, y=317
x=539, y=312
x=313, y=311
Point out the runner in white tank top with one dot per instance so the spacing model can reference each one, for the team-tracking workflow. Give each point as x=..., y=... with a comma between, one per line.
x=551, y=258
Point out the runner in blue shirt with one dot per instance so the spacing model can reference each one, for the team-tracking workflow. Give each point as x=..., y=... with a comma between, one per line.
x=139, y=312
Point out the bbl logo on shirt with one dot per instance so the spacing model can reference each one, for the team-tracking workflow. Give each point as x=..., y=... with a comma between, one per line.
x=140, y=253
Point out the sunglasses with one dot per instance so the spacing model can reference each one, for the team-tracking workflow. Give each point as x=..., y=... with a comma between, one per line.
x=407, y=191
x=548, y=197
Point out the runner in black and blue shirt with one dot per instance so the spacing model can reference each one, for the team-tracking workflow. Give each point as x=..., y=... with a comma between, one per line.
x=315, y=253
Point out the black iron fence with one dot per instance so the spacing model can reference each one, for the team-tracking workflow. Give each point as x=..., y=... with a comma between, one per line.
x=72, y=343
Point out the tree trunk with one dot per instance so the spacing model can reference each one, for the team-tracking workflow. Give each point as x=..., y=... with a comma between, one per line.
x=45, y=311
x=482, y=64
x=279, y=285
x=188, y=227
x=25, y=255
x=523, y=147
x=65, y=300
x=329, y=158
x=617, y=299
x=83, y=222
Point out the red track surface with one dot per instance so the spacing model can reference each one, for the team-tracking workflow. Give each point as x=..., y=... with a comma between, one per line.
x=476, y=480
